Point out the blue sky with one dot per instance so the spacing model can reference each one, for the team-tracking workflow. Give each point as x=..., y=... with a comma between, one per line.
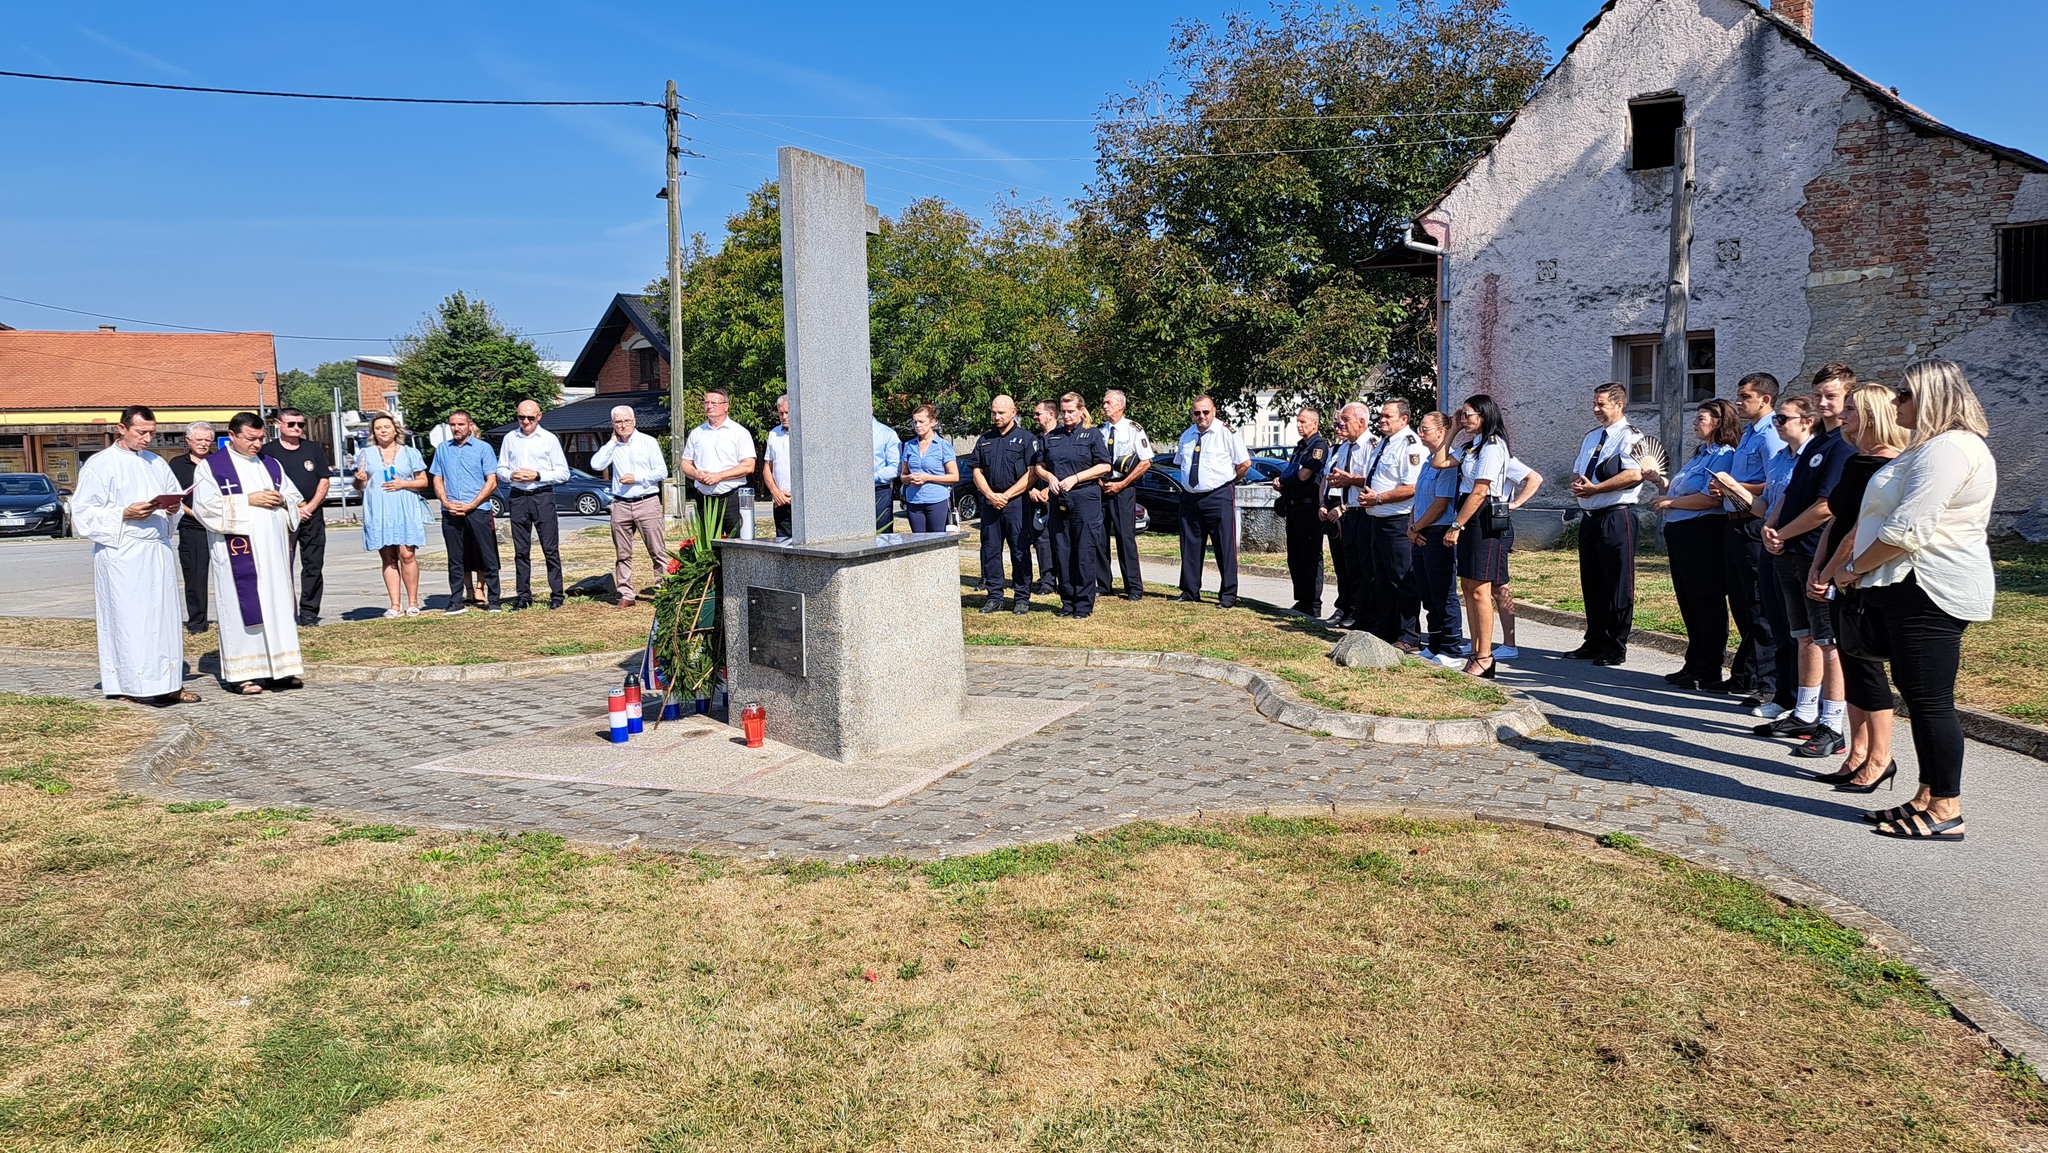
x=352, y=220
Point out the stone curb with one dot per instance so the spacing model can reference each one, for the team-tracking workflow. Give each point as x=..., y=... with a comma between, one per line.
x=2007, y=1031
x=395, y=674
x=153, y=762
x=1979, y=725
x=1276, y=702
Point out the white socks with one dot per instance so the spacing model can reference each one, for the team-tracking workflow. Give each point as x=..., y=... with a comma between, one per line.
x=1834, y=716
x=1808, y=707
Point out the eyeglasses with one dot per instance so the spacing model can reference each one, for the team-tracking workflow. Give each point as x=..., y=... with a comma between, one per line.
x=1782, y=418
x=1466, y=414
x=523, y=418
x=1901, y=395
x=293, y=423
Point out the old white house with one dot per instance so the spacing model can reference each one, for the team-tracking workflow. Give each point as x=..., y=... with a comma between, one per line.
x=1830, y=221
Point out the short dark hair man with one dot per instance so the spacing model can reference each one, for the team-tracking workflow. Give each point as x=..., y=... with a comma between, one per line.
x=1755, y=669
x=465, y=472
x=1300, y=486
x=307, y=464
x=1606, y=479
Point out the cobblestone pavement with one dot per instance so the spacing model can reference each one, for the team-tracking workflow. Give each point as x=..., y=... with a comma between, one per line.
x=1149, y=744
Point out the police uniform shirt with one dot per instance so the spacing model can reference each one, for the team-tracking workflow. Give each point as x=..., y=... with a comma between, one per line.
x=1752, y=465
x=1222, y=451
x=1352, y=457
x=1065, y=451
x=1616, y=446
x=1396, y=461
x=1003, y=458
x=1309, y=456
x=1127, y=445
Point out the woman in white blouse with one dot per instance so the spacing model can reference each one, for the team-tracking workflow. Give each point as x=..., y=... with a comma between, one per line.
x=1921, y=552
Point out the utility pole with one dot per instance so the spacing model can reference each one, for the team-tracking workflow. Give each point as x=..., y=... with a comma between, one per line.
x=677, y=429
x=262, y=413
x=1673, y=393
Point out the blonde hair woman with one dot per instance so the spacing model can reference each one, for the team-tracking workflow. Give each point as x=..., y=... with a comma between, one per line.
x=1870, y=422
x=1922, y=557
x=391, y=476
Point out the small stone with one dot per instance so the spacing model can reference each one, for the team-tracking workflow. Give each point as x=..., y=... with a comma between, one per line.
x=2032, y=526
x=1362, y=650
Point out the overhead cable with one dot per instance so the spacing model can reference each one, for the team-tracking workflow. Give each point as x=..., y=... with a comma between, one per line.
x=337, y=96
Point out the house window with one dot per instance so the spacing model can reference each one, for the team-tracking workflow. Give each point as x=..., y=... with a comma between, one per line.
x=647, y=367
x=2023, y=263
x=1636, y=365
x=1653, y=132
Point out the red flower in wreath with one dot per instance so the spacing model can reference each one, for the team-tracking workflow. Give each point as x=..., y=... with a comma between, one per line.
x=674, y=566
x=689, y=542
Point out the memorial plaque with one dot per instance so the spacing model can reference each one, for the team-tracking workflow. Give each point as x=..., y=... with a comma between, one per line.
x=775, y=630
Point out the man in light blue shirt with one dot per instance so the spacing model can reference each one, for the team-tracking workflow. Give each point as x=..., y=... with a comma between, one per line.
x=888, y=461
x=1754, y=672
x=465, y=473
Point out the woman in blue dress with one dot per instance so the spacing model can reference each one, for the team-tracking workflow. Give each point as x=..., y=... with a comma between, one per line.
x=391, y=477
x=1694, y=525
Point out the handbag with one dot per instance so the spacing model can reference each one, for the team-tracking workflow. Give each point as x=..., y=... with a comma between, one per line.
x=1859, y=628
x=1493, y=517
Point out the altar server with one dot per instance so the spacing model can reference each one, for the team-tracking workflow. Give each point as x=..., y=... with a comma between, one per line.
x=120, y=507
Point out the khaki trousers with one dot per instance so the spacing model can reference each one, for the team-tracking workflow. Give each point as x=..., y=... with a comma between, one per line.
x=642, y=516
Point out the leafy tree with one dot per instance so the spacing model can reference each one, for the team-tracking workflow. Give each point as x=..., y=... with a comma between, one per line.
x=1233, y=227
x=732, y=316
x=463, y=357
x=313, y=392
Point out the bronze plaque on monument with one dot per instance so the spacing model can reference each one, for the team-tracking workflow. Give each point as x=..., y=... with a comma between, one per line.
x=775, y=630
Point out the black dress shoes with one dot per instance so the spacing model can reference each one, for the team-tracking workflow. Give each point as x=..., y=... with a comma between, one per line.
x=1185, y=599
x=1582, y=653
x=1610, y=660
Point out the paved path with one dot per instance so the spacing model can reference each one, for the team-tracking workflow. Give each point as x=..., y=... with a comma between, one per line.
x=1640, y=757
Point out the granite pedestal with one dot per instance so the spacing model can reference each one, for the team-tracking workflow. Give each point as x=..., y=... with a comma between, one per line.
x=882, y=657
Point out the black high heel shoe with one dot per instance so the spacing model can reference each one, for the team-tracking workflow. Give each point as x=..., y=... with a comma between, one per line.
x=1839, y=777
x=1889, y=773
x=1486, y=674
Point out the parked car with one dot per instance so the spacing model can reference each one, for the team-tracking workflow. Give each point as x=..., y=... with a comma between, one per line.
x=341, y=488
x=30, y=504
x=581, y=495
x=1160, y=488
x=967, y=501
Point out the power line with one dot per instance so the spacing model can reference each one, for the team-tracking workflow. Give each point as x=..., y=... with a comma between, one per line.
x=1194, y=155
x=243, y=331
x=1123, y=119
x=334, y=96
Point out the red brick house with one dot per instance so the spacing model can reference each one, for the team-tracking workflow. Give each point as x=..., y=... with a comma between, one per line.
x=626, y=362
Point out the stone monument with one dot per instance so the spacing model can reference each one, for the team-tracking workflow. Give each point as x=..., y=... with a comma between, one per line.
x=849, y=638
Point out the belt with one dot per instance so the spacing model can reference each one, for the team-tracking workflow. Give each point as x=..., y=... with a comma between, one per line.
x=635, y=499
x=536, y=490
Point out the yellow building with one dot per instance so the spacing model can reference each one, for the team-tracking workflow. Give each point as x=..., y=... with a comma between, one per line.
x=61, y=393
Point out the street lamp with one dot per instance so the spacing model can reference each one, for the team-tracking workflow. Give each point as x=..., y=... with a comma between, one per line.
x=260, y=412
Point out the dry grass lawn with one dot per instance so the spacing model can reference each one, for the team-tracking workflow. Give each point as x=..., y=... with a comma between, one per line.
x=191, y=977
x=1252, y=634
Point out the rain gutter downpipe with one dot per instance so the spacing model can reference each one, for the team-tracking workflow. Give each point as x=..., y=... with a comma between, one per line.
x=1443, y=309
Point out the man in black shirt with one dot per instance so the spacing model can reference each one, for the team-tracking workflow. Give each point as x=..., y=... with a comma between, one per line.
x=306, y=464
x=194, y=558
x=1300, y=489
x=1002, y=472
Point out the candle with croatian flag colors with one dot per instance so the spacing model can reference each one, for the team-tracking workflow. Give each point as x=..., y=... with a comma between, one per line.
x=633, y=714
x=617, y=703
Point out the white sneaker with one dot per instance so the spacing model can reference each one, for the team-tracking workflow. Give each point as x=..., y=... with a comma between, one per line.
x=1769, y=710
x=392, y=614
x=1506, y=652
x=1448, y=661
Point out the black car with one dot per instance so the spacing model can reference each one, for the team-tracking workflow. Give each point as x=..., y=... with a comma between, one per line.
x=30, y=504
x=1160, y=488
x=581, y=495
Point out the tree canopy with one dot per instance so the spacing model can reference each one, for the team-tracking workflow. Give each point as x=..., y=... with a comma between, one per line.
x=462, y=357
x=1237, y=228
x=313, y=392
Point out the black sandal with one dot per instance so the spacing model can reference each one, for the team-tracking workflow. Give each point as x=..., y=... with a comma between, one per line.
x=1903, y=812
x=1921, y=827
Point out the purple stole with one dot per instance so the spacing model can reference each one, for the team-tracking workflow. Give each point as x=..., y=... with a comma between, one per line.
x=242, y=558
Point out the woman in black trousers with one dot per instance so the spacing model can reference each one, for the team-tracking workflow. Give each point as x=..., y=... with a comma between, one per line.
x=1695, y=529
x=1923, y=560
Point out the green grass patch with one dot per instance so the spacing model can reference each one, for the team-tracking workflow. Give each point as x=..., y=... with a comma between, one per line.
x=381, y=834
x=40, y=774
x=195, y=806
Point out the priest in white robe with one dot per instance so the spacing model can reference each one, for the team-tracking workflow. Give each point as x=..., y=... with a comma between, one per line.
x=119, y=507
x=251, y=510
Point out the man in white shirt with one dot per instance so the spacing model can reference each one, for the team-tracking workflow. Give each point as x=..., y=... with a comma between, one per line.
x=530, y=465
x=1130, y=455
x=1212, y=459
x=776, y=475
x=126, y=505
x=1353, y=547
x=637, y=470
x=718, y=457
x=1388, y=495
x=1605, y=479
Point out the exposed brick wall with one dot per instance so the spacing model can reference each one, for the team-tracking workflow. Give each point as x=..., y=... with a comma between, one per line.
x=617, y=375
x=370, y=390
x=1905, y=243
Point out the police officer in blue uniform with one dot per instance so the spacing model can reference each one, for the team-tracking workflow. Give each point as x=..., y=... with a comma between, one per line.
x=1072, y=460
x=1045, y=414
x=1300, y=501
x=1001, y=467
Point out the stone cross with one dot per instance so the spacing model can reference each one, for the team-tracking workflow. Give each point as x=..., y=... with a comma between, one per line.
x=826, y=221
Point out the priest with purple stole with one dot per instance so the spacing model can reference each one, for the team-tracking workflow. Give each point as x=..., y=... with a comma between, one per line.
x=127, y=505
x=251, y=510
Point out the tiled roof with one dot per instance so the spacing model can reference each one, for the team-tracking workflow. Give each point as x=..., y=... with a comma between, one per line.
x=72, y=370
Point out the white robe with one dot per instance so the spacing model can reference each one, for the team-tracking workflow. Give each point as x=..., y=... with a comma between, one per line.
x=134, y=572
x=269, y=650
